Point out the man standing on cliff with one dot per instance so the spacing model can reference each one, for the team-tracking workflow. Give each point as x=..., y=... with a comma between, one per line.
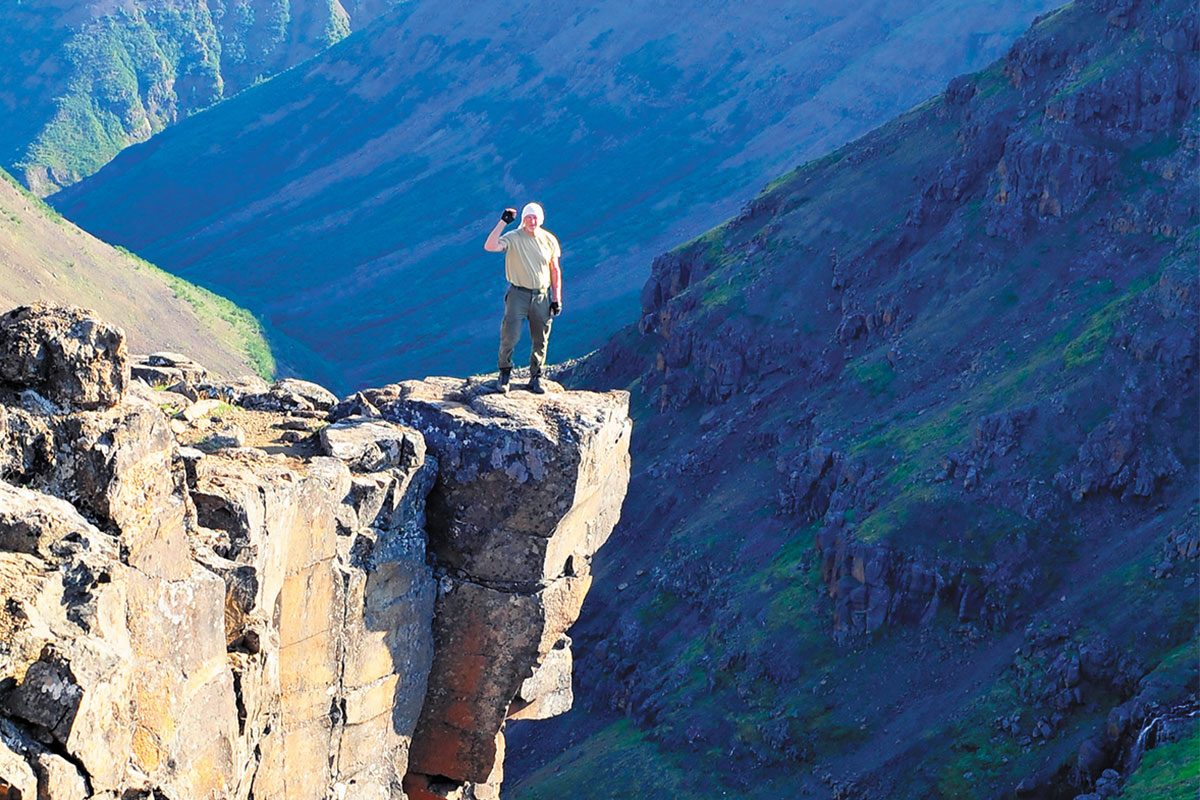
x=534, y=293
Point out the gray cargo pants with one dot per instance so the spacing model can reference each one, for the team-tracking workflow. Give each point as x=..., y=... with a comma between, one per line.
x=521, y=304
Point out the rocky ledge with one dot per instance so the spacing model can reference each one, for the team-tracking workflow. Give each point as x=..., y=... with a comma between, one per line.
x=234, y=590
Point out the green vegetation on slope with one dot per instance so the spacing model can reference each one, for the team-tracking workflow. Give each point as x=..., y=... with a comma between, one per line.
x=83, y=84
x=633, y=766
x=976, y=412
x=1169, y=772
x=45, y=257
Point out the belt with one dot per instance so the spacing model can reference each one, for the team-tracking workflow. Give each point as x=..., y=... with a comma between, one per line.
x=527, y=289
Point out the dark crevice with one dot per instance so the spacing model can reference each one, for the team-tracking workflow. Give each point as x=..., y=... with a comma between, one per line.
x=37, y=738
x=240, y=701
x=527, y=588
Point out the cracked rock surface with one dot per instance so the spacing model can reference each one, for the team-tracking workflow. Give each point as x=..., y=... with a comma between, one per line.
x=343, y=605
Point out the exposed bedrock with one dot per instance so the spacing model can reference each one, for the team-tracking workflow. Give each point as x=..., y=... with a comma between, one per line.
x=527, y=491
x=324, y=612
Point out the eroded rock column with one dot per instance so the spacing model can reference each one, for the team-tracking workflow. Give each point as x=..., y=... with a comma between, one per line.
x=528, y=489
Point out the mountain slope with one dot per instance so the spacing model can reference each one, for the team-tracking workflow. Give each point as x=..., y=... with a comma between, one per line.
x=44, y=257
x=82, y=80
x=347, y=200
x=914, y=510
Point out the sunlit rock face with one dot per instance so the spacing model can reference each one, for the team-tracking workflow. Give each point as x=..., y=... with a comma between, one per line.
x=528, y=489
x=322, y=610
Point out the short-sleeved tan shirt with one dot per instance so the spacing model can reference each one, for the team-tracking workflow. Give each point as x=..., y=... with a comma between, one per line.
x=527, y=257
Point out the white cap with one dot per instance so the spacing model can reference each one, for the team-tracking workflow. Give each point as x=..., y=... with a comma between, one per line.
x=536, y=210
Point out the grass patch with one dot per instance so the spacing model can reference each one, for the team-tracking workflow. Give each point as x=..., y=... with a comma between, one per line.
x=875, y=377
x=940, y=519
x=1132, y=50
x=991, y=82
x=978, y=755
x=1100, y=325
x=622, y=750
x=1169, y=772
x=725, y=285
x=659, y=608
x=939, y=431
x=248, y=336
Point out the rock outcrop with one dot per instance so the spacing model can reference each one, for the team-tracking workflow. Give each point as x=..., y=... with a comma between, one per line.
x=525, y=496
x=339, y=610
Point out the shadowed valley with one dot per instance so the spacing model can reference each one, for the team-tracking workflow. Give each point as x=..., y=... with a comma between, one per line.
x=913, y=511
x=346, y=201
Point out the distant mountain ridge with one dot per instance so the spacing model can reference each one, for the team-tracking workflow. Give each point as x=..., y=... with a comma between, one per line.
x=82, y=80
x=914, y=503
x=346, y=200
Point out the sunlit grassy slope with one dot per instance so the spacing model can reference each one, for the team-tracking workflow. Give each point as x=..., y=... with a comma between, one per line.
x=44, y=257
x=84, y=79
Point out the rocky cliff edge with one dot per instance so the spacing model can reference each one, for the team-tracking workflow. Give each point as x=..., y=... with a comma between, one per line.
x=247, y=590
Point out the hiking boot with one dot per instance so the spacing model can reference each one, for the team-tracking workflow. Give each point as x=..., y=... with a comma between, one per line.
x=535, y=385
x=503, y=381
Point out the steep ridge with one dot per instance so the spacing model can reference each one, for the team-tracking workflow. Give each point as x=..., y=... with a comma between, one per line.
x=43, y=257
x=239, y=590
x=914, y=509
x=82, y=80
x=346, y=200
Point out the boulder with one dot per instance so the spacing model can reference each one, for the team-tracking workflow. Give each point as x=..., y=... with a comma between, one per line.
x=45, y=526
x=371, y=445
x=118, y=467
x=291, y=394
x=200, y=409
x=17, y=779
x=356, y=405
x=166, y=400
x=224, y=437
x=235, y=391
x=192, y=372
x=59, y=778
x=156, y=376
x=64, y=353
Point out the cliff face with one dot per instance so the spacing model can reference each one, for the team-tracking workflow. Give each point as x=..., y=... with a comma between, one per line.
x=919, y=440
x=304, y=600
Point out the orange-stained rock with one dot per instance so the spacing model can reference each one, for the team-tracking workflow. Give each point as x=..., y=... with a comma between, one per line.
x=528, y=488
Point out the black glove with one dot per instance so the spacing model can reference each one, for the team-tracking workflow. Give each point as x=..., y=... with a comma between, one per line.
x=555, y=308
x=509, y=215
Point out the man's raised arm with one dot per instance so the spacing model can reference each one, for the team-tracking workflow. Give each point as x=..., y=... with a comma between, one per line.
x=492, y=245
